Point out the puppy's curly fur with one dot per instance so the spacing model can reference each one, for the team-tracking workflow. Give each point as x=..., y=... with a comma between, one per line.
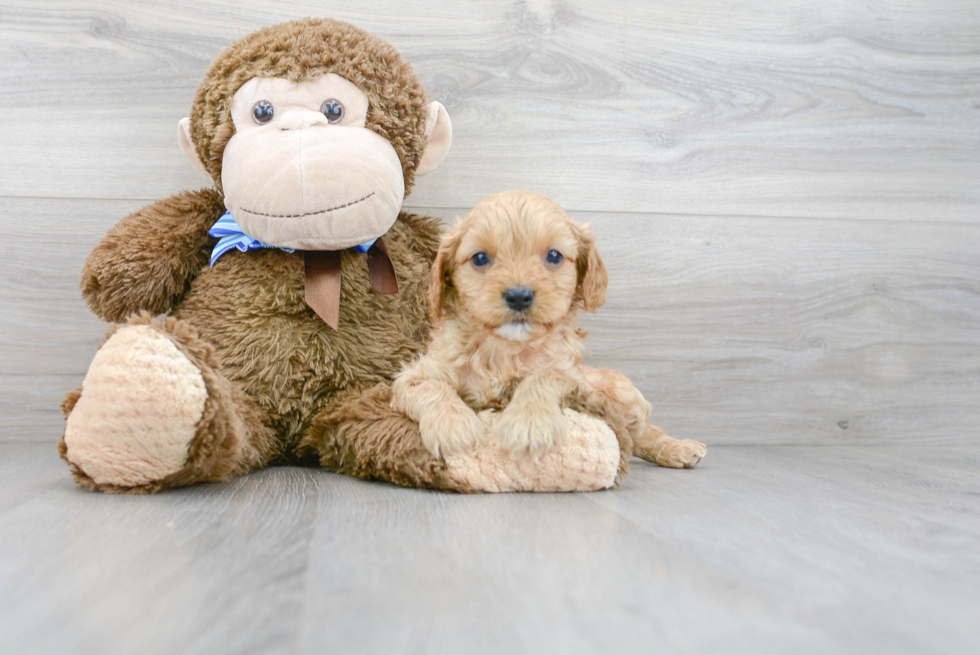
x=506, y=286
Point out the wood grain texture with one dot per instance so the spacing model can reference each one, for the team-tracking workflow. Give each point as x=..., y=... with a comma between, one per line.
x=738, y=330
x=787, y=200
x=159, y=593
x=31, y=406
x=759, y=550
x=831, y=109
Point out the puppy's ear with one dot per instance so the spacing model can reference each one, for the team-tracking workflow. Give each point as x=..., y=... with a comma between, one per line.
x=440, y=279
x=593, y=278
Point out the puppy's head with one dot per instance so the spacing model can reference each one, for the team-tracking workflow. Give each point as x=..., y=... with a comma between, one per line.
x=516, y=266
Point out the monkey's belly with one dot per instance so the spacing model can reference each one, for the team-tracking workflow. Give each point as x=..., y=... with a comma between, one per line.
x=251, y=308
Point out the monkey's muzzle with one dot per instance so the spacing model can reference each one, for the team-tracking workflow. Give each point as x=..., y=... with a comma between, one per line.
x=318, y=187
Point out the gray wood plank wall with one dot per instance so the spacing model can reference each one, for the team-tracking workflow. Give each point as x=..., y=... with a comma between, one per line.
x=787, y=196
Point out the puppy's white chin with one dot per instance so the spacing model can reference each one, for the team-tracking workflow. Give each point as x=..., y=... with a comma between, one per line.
x=517, y=331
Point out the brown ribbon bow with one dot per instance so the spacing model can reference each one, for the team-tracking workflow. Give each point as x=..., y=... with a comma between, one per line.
x=323, y=279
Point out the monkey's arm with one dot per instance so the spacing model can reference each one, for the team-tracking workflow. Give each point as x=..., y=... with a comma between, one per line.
x=148, y=259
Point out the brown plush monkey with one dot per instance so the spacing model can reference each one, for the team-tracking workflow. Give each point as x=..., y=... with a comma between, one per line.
x=295, y=288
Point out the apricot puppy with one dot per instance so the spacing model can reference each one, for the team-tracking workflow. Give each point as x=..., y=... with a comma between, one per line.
x=506, y=286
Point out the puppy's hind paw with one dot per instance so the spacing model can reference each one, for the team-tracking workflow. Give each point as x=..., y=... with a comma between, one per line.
x=525, y=434
x=681, y=454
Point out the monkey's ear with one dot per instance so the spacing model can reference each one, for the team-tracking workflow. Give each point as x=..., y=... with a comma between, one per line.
x=438, y=137
x=187, y=146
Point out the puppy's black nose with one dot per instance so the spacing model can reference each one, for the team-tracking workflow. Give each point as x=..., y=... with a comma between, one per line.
x=519, y=298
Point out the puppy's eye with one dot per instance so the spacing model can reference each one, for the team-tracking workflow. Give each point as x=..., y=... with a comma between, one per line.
x=263, y=111
x=333, y=110
x=480, y=260
x=554, y=257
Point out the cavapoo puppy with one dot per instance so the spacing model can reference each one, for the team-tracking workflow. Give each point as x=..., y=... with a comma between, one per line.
x=506, y=286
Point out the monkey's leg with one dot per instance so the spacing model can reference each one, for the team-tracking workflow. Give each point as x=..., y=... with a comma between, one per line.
x=154, y=412
x=649, y=442
x=360, y=434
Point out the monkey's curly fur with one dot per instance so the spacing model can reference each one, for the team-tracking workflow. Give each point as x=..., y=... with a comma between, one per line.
x=304, y=50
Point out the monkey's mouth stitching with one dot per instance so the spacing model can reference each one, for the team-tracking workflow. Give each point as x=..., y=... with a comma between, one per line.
x=324, y=211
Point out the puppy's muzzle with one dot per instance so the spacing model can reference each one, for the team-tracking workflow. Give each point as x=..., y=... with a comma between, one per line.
x=519, y=298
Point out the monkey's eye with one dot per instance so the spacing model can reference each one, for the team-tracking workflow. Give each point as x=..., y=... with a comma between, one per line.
x=554, y=257
x=480, y=260
x=333, y=110
x=263, y=111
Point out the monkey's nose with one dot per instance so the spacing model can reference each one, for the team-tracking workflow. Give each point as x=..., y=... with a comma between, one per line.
x=297, y=120
x=519, y=298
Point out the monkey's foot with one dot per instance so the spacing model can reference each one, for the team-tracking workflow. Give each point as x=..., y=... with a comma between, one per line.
x=151, y=413
x=140, y=405
x=586, y=460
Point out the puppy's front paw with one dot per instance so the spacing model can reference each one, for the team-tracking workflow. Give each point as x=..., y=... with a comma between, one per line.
x=526, y=433
x=451, y=430
x=681, y=454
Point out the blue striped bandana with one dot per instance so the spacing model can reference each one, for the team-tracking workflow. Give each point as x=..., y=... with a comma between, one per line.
x=230, y=235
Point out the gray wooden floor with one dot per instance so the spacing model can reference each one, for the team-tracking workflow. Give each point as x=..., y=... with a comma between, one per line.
x=786, y=196
x=763, y=549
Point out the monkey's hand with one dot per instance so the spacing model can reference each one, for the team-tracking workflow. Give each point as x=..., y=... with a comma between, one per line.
x=147, y=260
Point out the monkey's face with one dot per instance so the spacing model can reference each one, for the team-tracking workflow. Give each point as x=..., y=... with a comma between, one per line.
x=302, y=170
x=314, y=130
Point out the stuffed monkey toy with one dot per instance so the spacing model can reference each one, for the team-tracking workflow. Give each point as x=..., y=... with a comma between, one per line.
x=290, y=293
